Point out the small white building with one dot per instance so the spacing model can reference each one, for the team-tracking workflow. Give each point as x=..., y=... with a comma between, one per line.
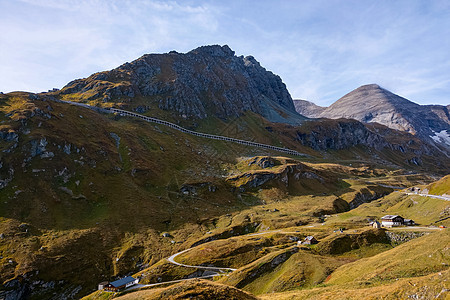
x=376, y=224
x=102, y=285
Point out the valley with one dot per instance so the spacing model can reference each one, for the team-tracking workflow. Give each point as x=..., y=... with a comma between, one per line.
x=183, y=166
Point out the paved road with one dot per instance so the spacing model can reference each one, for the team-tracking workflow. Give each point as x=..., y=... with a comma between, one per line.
x=172, y=260
x=431, y=196
x=387, y=186
x=413, y=227
x=262, y=233
x=138, y=286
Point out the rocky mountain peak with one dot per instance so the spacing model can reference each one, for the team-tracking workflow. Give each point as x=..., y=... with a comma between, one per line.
x=371, y=95
x=250, y=61
x=373, y=104
x=213, y=50
x=207, y=81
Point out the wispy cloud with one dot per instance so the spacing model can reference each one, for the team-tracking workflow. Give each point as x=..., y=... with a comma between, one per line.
x=321, y=49
x=67, y=39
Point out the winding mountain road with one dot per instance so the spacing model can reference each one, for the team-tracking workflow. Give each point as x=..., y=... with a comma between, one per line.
x=431, y=196
x=215, y=271
x=138, y=286
x=172, y=260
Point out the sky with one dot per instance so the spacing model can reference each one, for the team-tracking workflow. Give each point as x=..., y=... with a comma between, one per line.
x=321, y=49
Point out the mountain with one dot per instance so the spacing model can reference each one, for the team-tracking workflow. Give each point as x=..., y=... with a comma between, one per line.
x=207, y=81
x=211, y=89
x=307, y=108
x=374, y=104
x=89, y=195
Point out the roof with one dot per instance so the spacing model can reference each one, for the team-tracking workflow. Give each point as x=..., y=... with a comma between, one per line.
x=390, y=217
x=122, y=281
x=309, y=237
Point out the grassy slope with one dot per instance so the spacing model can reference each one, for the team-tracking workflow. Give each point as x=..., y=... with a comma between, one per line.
x=433, y=286
x=417, y=267
x=125, y=204
x=423, y=210
x=124, y=198
x=277, y=273
x=419, y=257
x=441, y=186
x=193, y=289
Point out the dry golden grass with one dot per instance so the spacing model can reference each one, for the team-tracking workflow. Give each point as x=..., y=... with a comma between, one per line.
x=418, y=257
x=433, y=286
x=192, y=289
x=440, y=187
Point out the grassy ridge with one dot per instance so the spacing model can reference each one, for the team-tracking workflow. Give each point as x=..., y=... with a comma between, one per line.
x=419, y=257
x=433, y=286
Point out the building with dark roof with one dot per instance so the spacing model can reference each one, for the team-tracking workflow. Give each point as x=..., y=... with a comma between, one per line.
x=392, y=220
x=120, y=284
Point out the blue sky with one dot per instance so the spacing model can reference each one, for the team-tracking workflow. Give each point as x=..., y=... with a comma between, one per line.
x=321, y=49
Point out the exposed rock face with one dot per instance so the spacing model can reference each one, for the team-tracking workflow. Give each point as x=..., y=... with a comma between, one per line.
x=341, y=243
x=403, y=237
x=209, y=80
x=373, y=104
x=340, y=134
x=256, y=179
x=308, y=109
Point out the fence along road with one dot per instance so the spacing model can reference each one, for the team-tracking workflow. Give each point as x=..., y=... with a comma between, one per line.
x=205, y=135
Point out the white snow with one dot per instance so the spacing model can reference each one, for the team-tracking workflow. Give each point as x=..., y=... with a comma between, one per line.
x=441, y=137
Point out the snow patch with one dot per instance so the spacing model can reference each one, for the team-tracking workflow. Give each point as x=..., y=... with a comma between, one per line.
x=441, y=137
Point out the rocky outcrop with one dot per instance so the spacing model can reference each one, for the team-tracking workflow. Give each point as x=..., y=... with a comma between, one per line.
x=308, y=109
x=341, y=243
x=283, y=175
x=367, y=195
x=207, y=81
x=396, y=238
x=340, y=134
x=343, y=134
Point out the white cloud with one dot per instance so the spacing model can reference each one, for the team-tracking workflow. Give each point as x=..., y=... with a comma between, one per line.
x=76, y=38
x=321, y=49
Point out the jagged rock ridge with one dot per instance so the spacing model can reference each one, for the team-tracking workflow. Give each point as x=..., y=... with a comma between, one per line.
x=207, y=81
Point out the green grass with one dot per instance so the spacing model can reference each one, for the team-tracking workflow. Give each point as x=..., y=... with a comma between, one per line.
x=441, y=186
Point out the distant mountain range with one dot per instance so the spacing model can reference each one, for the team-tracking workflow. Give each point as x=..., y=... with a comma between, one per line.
x=374, y=104
x=210, y=87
